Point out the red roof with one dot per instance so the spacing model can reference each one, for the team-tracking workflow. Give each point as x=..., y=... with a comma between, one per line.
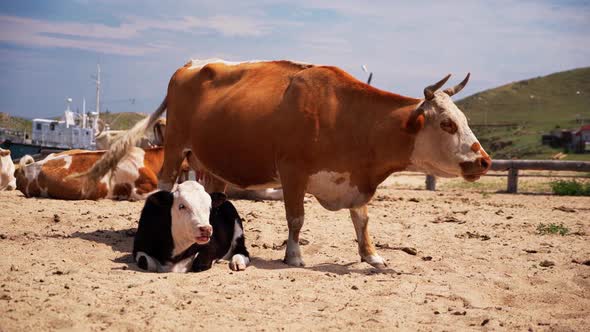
x=582, y=128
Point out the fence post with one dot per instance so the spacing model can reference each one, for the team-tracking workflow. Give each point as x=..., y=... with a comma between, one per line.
x=430, y=182
x=512, y=181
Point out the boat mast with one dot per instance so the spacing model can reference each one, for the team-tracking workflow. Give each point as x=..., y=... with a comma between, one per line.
x=98, y=89
x=84, y=112
x=95, y=122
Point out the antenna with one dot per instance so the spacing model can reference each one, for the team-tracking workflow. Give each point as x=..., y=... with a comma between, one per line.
x=69, y=101
x=364, y=67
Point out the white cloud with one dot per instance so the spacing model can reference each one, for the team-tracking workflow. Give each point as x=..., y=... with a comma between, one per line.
x=115, y=39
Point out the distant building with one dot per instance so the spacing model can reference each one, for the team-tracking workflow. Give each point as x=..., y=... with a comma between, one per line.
x=581, y=139
x=571, y=140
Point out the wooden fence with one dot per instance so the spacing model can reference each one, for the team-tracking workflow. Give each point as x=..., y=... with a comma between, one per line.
x=513, y=166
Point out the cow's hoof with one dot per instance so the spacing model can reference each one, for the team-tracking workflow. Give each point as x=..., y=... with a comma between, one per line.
x=294, y=261
x=238, y=262
x=376, y=261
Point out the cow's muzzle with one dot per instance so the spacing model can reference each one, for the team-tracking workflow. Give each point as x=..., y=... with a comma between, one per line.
x=473, y=170
x=204, y=234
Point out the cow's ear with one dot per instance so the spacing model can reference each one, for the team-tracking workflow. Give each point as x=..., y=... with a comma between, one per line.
x=161, y=199
x=217, y=199
x=4, y=153
x=416, y=120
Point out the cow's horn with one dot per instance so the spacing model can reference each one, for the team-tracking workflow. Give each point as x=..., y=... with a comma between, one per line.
x=429, y=90
x=458, y=87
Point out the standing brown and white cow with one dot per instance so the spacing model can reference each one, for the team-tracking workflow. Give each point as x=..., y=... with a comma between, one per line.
x=307, y=128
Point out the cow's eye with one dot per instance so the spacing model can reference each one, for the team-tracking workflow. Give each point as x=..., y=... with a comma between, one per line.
x=181, y=206
x=449, y=126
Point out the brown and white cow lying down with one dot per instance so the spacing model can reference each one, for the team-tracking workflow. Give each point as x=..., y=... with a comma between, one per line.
x=7, y=179
x=133, y=179
x=186, y=230
x=307, y=129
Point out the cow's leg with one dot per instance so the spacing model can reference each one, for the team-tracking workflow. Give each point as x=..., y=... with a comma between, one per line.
x=240, y=256
x=173, y=157
x=360, y=219
x=294, y=191
x=11, y=185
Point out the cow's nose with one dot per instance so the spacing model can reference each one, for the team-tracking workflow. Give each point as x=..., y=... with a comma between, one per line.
x=206, y=230
x=484, y=163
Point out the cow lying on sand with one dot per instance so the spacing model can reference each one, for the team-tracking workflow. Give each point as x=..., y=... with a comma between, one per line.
x=7, y=179
x=133, y=179
x=307, y=129
x=186, y=230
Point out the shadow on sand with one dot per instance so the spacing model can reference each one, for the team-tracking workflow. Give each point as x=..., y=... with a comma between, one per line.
x=122, y=241
x=338, y=269
x=119, y=240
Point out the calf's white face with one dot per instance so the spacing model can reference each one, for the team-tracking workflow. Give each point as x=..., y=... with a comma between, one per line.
x=190, y=216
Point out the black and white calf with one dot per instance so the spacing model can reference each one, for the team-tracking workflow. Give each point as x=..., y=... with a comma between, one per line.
x=186, y=230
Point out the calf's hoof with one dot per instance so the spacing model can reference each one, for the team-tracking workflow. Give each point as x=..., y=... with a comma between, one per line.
x=238, y=262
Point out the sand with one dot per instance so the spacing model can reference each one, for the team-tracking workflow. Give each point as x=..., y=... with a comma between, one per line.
x=480, y=264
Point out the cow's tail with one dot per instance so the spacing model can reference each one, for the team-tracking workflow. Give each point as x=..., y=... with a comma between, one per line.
x=25, y=160
x=121, y=147
x=159, y=129
x=19, y=169
x=101, y=128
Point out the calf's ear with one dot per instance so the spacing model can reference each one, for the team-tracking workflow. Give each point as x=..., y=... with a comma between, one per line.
x=217, y=199
x=4, y=153
x=161, y=198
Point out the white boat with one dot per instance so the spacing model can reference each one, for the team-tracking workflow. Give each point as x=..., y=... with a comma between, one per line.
x=73, y=131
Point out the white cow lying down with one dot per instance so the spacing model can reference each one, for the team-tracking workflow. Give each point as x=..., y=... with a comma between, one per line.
x=7, y=179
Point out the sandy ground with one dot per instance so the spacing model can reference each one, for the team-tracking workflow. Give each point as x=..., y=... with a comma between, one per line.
x=479, y=266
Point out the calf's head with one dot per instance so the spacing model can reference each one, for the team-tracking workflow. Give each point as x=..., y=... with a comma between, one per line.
x=190, y=215
x=445, y=145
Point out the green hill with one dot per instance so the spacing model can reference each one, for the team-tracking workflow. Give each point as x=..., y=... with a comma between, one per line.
x=123, y=120
x=14, y=122
x=509, y=120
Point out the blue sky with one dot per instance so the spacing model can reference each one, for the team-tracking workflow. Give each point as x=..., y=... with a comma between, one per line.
x=49, y=49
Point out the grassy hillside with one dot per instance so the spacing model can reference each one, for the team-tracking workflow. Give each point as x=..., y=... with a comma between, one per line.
x=120, y=121
x=522, y=111
x=14, y=122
